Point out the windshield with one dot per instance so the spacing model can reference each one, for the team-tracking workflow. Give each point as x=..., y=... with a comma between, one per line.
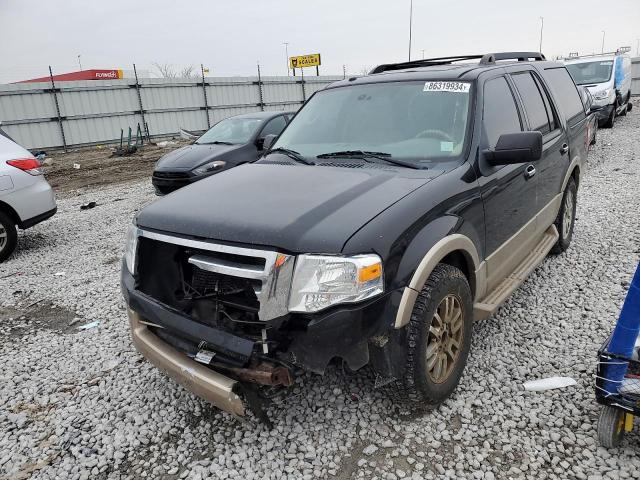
x=231, y=130
x=414, y=121
x=591, y=72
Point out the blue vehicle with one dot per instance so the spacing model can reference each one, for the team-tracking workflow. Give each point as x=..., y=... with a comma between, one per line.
x=618, y=374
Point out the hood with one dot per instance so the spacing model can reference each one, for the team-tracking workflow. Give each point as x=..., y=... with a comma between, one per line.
x=192, y=156
x=297, y=208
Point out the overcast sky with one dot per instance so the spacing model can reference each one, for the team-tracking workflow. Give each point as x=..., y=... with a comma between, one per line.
x=230, y=36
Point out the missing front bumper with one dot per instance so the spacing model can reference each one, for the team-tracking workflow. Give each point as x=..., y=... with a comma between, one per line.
x=202, y=381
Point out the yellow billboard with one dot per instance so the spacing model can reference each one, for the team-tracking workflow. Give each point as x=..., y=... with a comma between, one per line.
x=301, y=61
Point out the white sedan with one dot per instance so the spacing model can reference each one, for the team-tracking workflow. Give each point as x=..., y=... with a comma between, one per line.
x=26, y=198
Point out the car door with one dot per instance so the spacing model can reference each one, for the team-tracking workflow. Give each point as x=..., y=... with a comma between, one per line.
x=541, y=116
x=508, y=191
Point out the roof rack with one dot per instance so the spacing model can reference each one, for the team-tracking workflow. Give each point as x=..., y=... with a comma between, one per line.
x=486, y=59
x=491, y=58
x=425, y=62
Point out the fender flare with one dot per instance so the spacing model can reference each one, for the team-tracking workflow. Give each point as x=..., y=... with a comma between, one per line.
x=576, y=162
x=448, y=244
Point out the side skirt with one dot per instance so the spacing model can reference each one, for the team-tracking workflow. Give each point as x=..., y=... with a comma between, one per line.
x=496, y=297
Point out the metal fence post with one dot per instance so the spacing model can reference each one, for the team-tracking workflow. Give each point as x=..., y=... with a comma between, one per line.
x=204, y=91
x=304, y=93
x=260, y=93
x=55, y=100
x=146, y=126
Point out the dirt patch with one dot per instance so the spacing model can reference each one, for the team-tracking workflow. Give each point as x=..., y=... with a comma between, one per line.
x=99, y=168
x=16, y=323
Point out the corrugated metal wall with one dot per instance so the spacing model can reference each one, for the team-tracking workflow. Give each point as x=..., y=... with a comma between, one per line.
x=635, y=76
x=94, y=112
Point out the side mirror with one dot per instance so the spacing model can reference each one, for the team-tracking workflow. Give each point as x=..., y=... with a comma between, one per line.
x=267, y=141
x=513, y=148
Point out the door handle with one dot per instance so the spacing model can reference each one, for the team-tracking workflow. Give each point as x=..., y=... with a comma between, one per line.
x=564, y=149
x=529, y=172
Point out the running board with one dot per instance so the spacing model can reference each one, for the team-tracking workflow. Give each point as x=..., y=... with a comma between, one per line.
x=498, y=295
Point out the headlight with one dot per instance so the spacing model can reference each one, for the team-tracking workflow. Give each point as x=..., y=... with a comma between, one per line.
x=209, y=167
x=131, y=248
x=321, y=281
x=602, y=94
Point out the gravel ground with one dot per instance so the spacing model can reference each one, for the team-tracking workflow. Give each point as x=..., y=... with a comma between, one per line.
x=83, y=404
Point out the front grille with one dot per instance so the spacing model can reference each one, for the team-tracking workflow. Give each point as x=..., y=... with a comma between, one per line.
x=171, y=175
x=214, y=283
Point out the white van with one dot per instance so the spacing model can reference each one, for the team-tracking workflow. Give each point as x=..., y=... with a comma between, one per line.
x=608, y=78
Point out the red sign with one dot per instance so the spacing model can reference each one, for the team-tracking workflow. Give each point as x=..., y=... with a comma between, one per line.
x=81, y=75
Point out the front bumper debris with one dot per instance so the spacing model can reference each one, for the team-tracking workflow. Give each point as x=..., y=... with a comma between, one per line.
x=204, y=382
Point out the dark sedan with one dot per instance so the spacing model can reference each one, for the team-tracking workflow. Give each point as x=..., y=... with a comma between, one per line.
x=230, y=142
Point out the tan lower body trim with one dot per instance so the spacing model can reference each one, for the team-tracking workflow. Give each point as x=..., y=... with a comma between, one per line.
x=204, y=382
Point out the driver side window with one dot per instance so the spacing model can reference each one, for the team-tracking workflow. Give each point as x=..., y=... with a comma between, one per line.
x=500, y=114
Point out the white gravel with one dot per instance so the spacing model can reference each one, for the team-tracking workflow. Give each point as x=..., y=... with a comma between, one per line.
x=83, y=404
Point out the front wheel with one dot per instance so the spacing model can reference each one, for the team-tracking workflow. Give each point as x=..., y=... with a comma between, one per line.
x=612, y=117
x=566, y=218
x=438, y=339
x=610, y=427
x=8, y=236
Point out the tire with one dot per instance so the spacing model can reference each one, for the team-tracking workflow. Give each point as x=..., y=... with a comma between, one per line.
x=610, y=427
x=446, y=290
x=623, y=113
x=595, y=134
x=563, y=223
x=8, y=236
x=629, y=106
x=610, y=122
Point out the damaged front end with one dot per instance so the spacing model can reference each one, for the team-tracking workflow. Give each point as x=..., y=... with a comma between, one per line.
x=215, y=318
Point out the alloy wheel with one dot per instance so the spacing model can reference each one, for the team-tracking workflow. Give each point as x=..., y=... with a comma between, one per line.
x=3, y=237
x=445, y=339
x=567, y=219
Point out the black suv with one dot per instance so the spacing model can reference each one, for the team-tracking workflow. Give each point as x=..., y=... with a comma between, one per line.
x=392, y=211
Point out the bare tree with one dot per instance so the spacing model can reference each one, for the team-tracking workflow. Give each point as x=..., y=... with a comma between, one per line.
x=365, y=70
x=188, y=72
x=167, y=70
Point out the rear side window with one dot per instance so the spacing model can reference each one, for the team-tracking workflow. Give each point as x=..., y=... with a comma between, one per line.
x=500, y=114
x=566, y=93
x=533, y=103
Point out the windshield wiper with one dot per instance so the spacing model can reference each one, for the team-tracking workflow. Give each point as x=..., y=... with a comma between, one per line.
x=363, y=154
x=291, y=154
x=215, y=142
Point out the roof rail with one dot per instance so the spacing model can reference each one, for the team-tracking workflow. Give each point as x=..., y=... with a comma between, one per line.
x=486, y=59
x=491, y=58
x=425, y=62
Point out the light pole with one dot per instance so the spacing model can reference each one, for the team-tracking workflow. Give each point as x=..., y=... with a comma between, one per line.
x=541, y=28
x=79, y=63
x=410, y=22
x=286, y=52
x=602, y=49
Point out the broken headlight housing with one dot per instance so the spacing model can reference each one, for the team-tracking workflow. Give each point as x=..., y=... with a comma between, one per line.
x=320, y=281
x=131, y=248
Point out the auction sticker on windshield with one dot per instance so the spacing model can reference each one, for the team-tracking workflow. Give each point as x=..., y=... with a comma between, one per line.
x=456, y=87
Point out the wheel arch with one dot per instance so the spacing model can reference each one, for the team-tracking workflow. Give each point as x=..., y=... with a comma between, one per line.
x=456, y=250
x=13, y=215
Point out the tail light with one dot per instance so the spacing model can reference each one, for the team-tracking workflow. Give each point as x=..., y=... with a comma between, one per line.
x=29, y=165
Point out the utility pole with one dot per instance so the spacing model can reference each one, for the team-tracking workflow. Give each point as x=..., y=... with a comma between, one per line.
x=637, y=47
x=410, y=24
x=423, y=53
x=602, y=49
x=79, y=62
x=286, y=52
x=541, y=28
